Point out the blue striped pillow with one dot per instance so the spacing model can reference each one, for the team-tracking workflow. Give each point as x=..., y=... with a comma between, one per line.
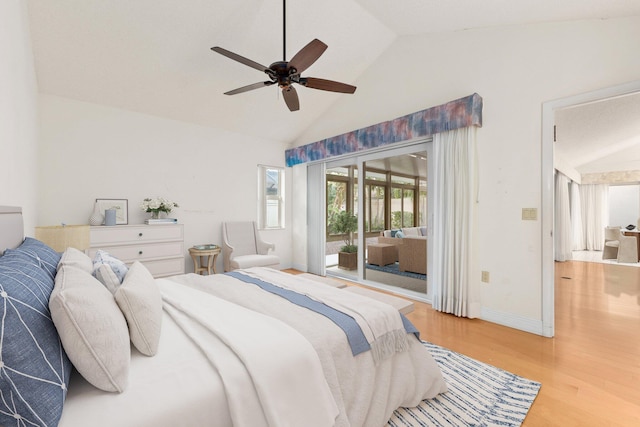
x=36, y=251
x=34, y=369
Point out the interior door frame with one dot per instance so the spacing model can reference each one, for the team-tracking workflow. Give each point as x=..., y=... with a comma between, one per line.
x=547, y=203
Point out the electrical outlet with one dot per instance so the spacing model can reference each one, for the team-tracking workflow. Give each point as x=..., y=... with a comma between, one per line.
x=485, y=276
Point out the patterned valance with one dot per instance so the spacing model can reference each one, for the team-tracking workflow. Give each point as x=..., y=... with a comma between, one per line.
x=463, y=112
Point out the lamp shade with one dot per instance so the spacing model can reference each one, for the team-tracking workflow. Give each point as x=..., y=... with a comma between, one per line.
x=61, y=237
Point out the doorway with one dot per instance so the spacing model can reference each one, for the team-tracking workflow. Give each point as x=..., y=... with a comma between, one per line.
x=387, y=191
x=549, y=110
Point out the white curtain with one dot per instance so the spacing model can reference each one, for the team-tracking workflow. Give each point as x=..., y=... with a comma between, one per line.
x=595, y=214
x=315, y=219
x=576, y=218
x=455, y=286
x=562, y=232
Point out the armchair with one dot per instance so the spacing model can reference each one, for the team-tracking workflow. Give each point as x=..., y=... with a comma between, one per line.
x=618, y=246
x=412, y=254
x=242, y=247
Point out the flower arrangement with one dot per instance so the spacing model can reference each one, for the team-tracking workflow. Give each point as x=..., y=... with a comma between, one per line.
x=157, y=205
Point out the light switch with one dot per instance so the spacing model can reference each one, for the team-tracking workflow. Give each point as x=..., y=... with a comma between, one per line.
x=529, y=214
x=485, y=277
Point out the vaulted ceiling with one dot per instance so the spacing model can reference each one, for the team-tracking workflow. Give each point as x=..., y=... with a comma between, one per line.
x=154, y=57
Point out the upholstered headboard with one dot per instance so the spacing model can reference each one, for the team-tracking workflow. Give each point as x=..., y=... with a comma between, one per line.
x=11, y=227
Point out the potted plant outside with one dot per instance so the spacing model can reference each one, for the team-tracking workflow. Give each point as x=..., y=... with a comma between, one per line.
x=346, y=223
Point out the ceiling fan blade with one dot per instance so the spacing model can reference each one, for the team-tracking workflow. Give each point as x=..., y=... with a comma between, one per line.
x=329, y=85
x=307, y=55
x=249, y=87
x=291, y=98
x=240, y=59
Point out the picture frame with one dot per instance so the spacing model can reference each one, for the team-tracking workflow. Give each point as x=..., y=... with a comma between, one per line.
x=120, y=205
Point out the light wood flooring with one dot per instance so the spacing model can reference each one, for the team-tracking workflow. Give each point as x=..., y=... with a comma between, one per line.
x=590, y=371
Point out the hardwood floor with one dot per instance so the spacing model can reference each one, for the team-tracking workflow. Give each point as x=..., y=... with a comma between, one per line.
x=590, y=371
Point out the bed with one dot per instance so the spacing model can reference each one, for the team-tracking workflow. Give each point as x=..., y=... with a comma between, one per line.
x=256, y=347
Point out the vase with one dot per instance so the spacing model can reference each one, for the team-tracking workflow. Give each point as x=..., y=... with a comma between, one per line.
x=110, y=217
x=96, y=217
x=155, y=214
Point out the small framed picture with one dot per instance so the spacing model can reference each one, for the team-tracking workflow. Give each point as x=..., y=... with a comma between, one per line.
x=120, y=205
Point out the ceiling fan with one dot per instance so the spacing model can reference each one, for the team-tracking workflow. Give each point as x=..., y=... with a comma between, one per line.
x=285, y=73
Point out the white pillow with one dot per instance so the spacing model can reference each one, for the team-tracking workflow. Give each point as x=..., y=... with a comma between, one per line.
x=76, y=258
x=411, y=231
x=140, y=301
x=119, y=268
x=92, y=329
x=107, y=277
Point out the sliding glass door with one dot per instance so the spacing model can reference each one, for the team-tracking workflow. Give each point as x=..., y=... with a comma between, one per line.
x=386, y=192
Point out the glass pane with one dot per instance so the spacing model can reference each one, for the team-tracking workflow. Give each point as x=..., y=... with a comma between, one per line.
x=271, y=198
x=423, y=203
x=355, y=199
x=376, y=176
x=272, y=182
x=376, y=202
x=407, y=208
x=396, y=208
x=336, y=200
x=367, y=209
x=354, y=205
x=273, y=213
x=395, y=179
x=339, y=171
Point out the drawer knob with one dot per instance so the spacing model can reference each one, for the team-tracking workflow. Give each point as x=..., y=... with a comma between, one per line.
x=139, y=252
x=140, y=234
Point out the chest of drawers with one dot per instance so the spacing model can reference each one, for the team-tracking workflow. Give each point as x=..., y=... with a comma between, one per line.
x=159, y=247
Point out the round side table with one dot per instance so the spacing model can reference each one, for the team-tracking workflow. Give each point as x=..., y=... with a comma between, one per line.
x=204, y=260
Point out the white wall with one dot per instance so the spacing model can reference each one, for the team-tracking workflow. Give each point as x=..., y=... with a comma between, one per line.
x=89, y=151
x=515, y=69
x=18, y=113
x=624, y=205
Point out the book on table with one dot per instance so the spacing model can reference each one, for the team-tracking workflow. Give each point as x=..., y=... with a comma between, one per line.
x=206, y=247
x=154, y=221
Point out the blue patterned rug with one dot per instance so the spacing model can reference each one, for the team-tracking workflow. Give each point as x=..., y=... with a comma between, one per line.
x=478, y=395
x=393, y=269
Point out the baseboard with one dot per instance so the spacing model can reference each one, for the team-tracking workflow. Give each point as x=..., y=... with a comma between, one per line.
x=299, y=267
x=511, y=320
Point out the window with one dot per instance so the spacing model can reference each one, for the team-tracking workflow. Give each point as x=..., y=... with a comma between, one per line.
x=342, y=195
x=375, y=208
x=270, y=197
x=403, y=203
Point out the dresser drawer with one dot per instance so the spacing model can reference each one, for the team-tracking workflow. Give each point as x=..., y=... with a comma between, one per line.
x=142, y=251
x=159, y=247
x=128, y=234
x=165, y=267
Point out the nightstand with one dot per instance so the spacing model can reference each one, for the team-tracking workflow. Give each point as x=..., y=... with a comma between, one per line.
x=204, y=259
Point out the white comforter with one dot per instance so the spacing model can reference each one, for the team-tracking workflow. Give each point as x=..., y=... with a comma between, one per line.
x=179, y=387
x=366, y=392
x=271, y=374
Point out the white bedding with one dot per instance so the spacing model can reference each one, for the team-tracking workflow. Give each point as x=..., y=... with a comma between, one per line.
x=271, y=374
x=176, y=387
x=366, y=393
x=180, y=387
